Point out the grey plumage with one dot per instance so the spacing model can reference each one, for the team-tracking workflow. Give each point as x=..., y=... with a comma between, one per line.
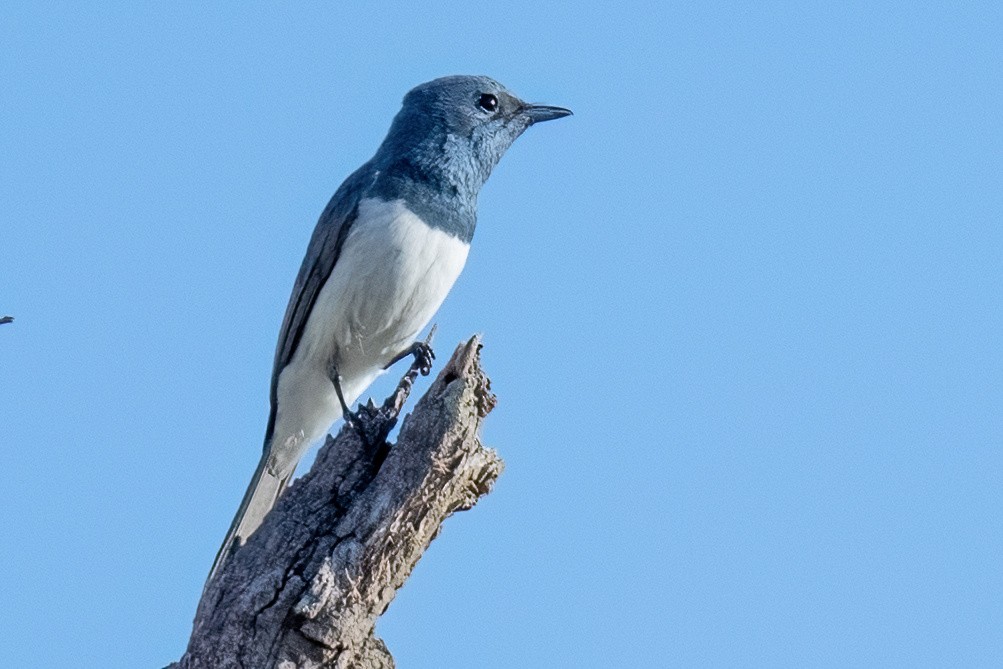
x=385, y=251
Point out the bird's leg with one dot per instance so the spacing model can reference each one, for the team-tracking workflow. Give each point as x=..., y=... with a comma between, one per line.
x=350, y=417
x=373, y=423
x=380, y=420
x=423, y=357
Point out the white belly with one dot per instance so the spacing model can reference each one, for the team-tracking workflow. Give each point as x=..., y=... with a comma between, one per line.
x=393, y=273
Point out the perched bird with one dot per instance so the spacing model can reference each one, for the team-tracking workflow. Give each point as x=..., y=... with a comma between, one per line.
x=382, y=258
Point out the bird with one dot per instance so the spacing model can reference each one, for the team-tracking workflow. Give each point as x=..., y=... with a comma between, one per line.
x=383, y=256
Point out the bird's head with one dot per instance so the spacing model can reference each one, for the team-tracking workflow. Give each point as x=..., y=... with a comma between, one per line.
x=457, y=128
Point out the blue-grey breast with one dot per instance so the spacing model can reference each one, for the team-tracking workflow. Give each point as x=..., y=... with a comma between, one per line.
x=384, y=254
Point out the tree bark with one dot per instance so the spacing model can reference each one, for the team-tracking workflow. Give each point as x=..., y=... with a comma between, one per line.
x=306, y=589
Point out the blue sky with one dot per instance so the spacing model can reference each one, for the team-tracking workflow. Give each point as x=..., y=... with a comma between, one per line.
x=742, y=313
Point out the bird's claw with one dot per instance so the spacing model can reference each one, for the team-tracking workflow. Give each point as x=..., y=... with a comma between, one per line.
x=353, y=420
x=371, y=423
x=423, y=357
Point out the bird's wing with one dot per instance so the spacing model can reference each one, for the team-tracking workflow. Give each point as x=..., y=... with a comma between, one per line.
x=321, y=256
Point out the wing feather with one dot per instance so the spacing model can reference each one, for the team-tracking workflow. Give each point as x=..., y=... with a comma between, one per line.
x=321, y=256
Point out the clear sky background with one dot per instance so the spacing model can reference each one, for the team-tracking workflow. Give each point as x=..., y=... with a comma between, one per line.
x=742, y=313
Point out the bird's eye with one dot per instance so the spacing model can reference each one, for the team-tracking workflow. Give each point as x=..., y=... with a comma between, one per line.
x=488, y=102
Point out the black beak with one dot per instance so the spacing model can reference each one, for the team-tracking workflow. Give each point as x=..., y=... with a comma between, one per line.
x=540, y=113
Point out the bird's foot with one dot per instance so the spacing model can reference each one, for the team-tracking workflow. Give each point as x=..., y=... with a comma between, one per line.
x=423, y=357
x=352, y=419
x=372, y=423
x=356, y=420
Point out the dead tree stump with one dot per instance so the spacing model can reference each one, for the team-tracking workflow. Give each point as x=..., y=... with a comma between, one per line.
x=306, y=589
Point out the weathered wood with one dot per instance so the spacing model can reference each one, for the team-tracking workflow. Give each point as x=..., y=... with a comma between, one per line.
x=306, y=589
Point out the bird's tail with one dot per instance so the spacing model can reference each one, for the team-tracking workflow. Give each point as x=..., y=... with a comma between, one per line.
x=259, y=499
